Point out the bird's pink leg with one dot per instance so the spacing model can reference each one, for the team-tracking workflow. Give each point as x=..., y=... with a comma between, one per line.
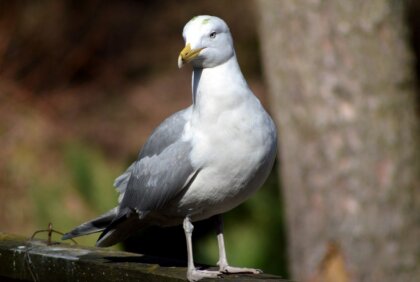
x=194, y=274
x=224, y=267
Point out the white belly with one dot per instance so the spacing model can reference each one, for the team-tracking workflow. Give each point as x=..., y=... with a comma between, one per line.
x=214, y=192
x=234, y=159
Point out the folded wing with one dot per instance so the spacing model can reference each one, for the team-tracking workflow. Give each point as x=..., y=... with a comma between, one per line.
x=162, y=170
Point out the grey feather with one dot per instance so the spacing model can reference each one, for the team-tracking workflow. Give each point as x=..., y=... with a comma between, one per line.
x=161, y=172
x=96, y=225
x=121, y=181
x=167, y=133
x=155, y=180
x=128, y=225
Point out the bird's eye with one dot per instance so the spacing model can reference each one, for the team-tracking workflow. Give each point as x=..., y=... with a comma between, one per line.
x=213, y=34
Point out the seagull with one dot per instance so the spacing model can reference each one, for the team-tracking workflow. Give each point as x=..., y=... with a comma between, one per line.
x=201, y=161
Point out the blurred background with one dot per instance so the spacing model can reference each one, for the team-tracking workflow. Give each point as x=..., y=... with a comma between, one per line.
x=83, y=84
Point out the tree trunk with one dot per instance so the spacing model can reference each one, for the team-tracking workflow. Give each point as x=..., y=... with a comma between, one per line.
x=340, y=76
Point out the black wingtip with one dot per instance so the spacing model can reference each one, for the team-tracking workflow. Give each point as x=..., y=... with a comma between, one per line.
x=67, y=236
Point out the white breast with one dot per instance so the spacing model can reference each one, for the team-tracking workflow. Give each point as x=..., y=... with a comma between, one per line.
x=233, y=142
x=231, y=148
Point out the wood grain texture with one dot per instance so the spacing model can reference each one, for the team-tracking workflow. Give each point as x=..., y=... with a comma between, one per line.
x=22, y=259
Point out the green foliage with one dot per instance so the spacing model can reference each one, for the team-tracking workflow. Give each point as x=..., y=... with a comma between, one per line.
x=79, y=164
x=90, y=175
x=78, y=190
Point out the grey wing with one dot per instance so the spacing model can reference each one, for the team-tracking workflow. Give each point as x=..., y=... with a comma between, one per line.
x=167, y=133
x=162, y=170
x=156, y=180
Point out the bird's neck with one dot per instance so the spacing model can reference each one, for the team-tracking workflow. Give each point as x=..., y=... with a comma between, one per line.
x=221, y=83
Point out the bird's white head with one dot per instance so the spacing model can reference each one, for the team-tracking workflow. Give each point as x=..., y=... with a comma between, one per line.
x=208, y=42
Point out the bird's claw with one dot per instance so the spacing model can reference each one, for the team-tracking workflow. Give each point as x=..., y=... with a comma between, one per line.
x=196, y=274
x=231, y=269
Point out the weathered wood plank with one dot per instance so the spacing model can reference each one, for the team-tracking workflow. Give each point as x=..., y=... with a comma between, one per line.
x=22, y=259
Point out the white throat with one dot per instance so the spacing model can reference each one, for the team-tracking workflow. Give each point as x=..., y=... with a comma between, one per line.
x=218, y=88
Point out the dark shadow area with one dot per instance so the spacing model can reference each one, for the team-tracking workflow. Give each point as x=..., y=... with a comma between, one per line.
x=161, y=261
x=54, y=44
x=413, y=24
x=7, y=279
x=168, y=242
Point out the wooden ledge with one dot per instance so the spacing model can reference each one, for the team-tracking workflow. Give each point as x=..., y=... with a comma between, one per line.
x=23, y=259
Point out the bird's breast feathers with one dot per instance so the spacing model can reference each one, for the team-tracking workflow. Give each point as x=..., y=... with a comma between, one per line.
x=229, y=152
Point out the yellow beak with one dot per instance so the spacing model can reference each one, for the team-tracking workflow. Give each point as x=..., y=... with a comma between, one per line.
x=187, y=54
